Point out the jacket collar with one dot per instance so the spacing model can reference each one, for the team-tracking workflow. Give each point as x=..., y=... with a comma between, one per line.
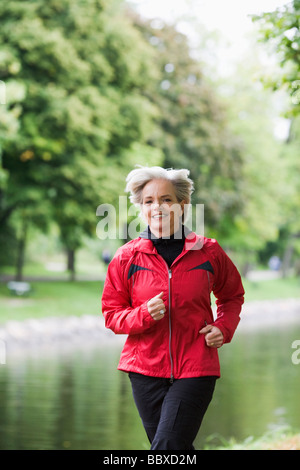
x=145, y=244
x=182, y=233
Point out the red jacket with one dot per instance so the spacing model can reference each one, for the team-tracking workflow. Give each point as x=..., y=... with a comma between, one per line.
x=171, y=347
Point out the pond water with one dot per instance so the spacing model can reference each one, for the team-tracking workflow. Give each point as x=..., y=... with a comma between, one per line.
x=75, y=398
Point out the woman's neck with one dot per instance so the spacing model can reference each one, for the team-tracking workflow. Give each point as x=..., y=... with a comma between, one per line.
x=178, y=235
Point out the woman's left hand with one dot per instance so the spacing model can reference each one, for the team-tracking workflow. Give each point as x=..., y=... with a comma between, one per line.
x=213, y=336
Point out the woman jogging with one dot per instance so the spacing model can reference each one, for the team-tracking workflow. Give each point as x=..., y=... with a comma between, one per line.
x=157, y=291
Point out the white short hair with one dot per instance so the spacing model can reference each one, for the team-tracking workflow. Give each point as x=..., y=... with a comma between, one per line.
x=138, y=178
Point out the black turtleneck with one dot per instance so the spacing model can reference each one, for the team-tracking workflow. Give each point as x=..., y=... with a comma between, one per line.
x=170, y=247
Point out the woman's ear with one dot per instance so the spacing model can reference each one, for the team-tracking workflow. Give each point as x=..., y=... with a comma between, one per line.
x=182, y=204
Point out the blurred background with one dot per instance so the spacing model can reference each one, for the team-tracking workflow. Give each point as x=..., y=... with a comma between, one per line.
x=88, y=89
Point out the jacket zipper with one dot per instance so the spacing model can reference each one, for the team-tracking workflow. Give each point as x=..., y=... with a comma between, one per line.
x=170, y=321
x=170, y=327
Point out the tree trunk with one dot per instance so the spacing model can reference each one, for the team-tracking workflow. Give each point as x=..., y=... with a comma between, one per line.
x=71, y=263
x=287, y=258
x=21, y=252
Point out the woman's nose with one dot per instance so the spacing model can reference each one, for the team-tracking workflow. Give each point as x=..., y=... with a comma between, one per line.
x=155, y=206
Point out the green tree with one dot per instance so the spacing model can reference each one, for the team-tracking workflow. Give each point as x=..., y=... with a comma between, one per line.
x=251, y=118
x=280, y=29
x=84, y=70
x=193, y=127
x=227, y=140
x=290, y=228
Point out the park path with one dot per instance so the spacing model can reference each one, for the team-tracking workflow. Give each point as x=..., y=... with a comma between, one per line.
x=77, y=329
x=255, y=276
x=54, y=278
x=255, y=314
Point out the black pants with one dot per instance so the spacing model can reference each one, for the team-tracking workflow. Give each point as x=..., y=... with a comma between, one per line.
x=171, y=413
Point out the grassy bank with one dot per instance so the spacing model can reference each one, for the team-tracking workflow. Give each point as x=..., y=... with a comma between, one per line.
x=66, y=298
x=63, y=298
x=53, y=298
x=272, y=289
x=279, y=440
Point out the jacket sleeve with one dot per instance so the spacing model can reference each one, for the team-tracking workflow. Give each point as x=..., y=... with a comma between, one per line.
x=119, y=316
x=229, y=292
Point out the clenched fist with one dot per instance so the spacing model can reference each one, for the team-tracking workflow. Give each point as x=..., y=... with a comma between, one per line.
x=213, y=336
x=156, y=307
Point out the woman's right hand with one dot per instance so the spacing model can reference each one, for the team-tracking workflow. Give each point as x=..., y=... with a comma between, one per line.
x=156, y=307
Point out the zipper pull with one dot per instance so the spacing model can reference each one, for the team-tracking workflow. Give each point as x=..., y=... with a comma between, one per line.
x=170, y=274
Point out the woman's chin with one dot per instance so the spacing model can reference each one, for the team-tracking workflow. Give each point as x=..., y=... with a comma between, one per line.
x=161, y=228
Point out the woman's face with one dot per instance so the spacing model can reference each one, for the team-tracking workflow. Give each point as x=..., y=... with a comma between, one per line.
x=160, y=207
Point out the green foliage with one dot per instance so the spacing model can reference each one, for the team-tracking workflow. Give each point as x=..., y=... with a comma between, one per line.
x=263, y=175
x=192, y=125
x=92, y=90
x=280, y=29
x=79, y=70
x=291, y=203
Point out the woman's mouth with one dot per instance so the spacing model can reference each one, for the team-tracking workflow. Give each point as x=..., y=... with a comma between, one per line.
x=159, y=216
